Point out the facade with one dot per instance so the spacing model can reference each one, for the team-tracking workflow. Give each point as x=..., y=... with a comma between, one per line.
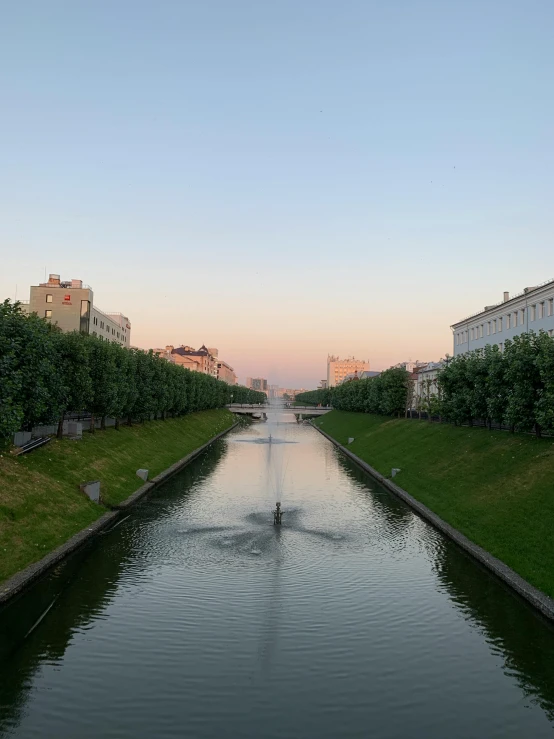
x=257, y=383
x=198, y=360
x=531, y=310
x=70, y=305
x=425, y=385
x=338, y=369
x=226, y=373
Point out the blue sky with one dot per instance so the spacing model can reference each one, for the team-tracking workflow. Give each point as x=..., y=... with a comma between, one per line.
x=280, y=179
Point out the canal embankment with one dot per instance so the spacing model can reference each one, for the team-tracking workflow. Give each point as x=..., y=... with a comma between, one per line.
x=41, y=506
x=493, y=487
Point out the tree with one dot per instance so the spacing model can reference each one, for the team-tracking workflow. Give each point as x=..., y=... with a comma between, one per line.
x=525, y=382
x=103, y=372
x=30, y=386
x=73, y=361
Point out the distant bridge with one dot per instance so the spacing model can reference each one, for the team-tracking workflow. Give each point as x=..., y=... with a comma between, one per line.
x=263, y=408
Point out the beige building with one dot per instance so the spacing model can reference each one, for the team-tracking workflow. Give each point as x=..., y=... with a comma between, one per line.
x=226, y=373
x=70, y=305
x=338, y=369
x=199, y=360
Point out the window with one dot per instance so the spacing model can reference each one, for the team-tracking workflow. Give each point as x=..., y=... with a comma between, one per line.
x=532, y=312
x=541, y=313
x=48, y=298
x=508, y=321
x=494, y=326
x=48, y=314
x=515, y=318
x=113, y=331
x=471, y=334
x=522, y=317
x=488, y=328
x=550, y=306
x=551, y=332
x=501, y=347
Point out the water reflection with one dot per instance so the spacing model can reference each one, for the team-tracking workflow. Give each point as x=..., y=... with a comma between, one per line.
x=353, y=613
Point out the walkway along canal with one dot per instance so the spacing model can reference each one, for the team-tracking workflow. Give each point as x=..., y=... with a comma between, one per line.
x=195, y=616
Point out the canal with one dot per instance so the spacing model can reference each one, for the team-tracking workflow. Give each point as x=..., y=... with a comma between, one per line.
x=196, y=617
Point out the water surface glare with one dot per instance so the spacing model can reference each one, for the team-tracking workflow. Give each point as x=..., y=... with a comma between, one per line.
x=196, y=617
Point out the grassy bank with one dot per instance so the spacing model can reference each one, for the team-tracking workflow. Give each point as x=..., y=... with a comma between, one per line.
x=495, y=487
x=40, y=502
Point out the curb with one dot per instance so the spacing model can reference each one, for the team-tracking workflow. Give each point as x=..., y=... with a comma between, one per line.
x=530, y=593
x=23, y=578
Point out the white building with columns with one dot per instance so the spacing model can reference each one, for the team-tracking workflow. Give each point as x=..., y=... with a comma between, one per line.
x=531, y=310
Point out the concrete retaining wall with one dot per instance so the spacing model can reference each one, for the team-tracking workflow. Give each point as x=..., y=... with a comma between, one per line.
x=25, y=577
x=531, y=594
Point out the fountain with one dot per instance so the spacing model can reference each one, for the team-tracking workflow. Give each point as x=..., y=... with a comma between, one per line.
x=277, y=513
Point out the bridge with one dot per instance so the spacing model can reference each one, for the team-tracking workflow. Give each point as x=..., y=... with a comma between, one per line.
x=263, y=408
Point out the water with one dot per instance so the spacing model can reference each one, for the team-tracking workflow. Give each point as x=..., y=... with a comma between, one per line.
x=196, y=617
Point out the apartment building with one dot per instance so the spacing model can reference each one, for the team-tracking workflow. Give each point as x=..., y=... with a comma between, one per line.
x=257, y=383
x=70, y=305
x=530, y=310
x=338, y=369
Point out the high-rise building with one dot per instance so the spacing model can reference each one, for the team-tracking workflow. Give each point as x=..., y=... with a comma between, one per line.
x=70, y=305
x=257, y=383
x=338, y=369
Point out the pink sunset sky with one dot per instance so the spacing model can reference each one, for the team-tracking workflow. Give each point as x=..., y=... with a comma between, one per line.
x=275, y=180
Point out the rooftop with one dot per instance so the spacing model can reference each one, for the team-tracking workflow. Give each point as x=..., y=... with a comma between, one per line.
x=525, y=291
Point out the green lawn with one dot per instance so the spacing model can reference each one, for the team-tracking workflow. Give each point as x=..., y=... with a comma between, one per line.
x=495, y=487
x=41, y=505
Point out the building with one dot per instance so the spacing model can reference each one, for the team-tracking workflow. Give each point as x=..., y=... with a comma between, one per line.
x=410, y=366
x=226, y=373
x=257, y=383
x=338, y=369
x=198, y=360
x=531, y=310
x=368, y=374
x=425, y=385
x=70, y=305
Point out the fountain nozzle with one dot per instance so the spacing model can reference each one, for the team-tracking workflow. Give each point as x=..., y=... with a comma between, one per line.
x=277, y=513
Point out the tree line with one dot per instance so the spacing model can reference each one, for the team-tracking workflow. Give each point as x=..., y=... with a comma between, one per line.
x=384, y=394
x=513, y=388
x=46, y=374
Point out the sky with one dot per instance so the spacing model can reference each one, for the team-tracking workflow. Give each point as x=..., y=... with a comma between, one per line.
x=280, y=179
